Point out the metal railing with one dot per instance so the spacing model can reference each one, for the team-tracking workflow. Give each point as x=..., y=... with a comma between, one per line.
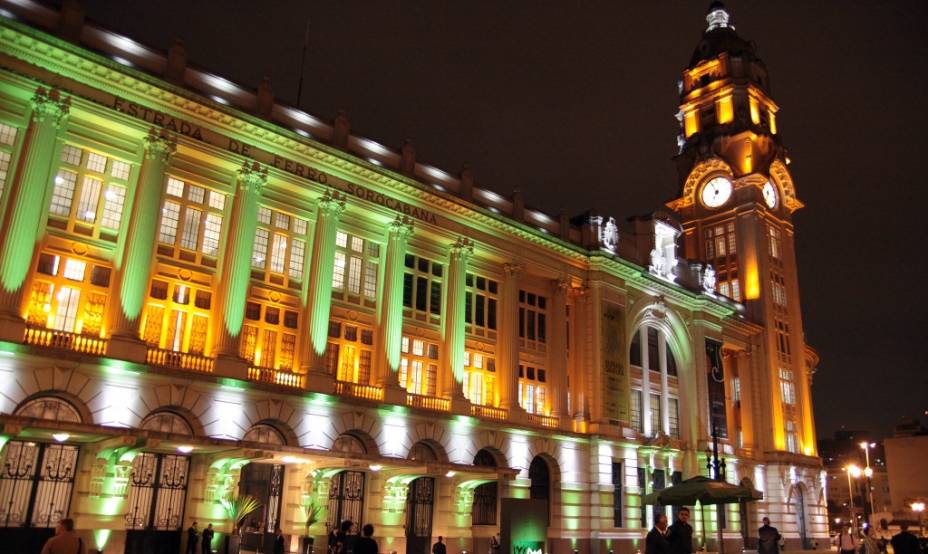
x=358, y=390
x=63, y=340
x=428, y=402
x=543, y=420
x=489, y=412
x=179, y=360
x=276, y=376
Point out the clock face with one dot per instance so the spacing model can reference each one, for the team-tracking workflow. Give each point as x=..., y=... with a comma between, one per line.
x=770, y=194
x=716, y=192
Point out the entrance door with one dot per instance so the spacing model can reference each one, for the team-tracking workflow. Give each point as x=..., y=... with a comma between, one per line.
x=35, y=492
x=801, y=517
x=264, y=482
x=346, y=499
x=155, y=507
x=419, y=505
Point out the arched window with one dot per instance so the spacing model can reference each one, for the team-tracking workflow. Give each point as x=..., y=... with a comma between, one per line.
x=654, y=369
x=423, y=452
x=167, y=421
x=483, y=511
x=265, y=434
x=348, y=443
x=540, y=476
x=50, y=407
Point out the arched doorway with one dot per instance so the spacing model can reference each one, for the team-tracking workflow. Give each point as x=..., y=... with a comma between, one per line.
x=420, y=500
x=540, y=489
x=346, y=490
x=799, y=505
x=483, y=511
x=37, y=478
x=265, y=482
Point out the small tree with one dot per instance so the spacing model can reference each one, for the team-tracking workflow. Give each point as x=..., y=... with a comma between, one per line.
x=311, y=514
x=238, y=507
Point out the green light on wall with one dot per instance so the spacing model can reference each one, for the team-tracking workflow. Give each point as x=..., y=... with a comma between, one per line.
x=228, y=383
x=100, y=537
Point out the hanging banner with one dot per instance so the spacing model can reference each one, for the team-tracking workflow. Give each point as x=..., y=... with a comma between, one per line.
x=716, y=378
x=616, y=389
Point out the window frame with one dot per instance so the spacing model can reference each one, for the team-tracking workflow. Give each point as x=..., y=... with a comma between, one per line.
x=187, y=203
x=362, y=346
x=368, y=269
x=421, y=271
x=169, y=305
x=427, y=368
x=292, y=256
x=58, y=282
x=257, y=332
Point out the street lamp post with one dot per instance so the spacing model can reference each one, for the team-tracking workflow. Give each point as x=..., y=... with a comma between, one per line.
x=868, y=472
x=852, y=471
x=919, y=508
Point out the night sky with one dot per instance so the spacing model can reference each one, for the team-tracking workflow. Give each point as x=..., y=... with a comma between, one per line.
x=573, y=103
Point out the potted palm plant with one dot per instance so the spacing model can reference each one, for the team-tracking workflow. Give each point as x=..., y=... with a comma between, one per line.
x=311, y=512
x=236, y=508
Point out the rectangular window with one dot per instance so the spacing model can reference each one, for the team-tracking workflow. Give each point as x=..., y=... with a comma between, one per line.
x=533, y=330
x=191, y=220
x=736, y=389
x=657, y=425
x=774, y=242
x=177, y=317
x=787, y=386
x=480, y=378
x=352, y=345
x=422, y=288
x=792, y=441
x=673, y=409
x=269, y=335
x=480, y=301
x=355, y=277
x=419, y=366
x=98, y=184
x=68, y=294
x=643, y=490
x=636, y=409
x=617, y=494
x=278, y=253
x=533, y=388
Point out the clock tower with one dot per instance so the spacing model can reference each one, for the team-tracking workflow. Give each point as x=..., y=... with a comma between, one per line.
x=736, y=203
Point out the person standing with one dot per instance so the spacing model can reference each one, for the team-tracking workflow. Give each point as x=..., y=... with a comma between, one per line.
x=206, y=546
x=870, y=543
x=846, y=541
x=65, y=540
x=366, y=544
x=494, y=544
x=656, y=541
x=439, y=547
x=768, y=538
x=192, y=534
x=278, y=541
x=680, y=534
x=905, y=542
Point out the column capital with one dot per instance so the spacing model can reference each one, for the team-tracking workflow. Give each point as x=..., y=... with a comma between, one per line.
x=159, y=145
x=462, y=249
x=562, y=285
x=252, y=177
x=331, y=203
x=48, y=105
x=402, y=226
x=513, y=270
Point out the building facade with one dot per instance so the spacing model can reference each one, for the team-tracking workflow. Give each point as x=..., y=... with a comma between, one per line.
x=208, y=293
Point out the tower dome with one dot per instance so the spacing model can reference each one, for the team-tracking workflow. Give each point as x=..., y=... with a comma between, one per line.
x=720, y=36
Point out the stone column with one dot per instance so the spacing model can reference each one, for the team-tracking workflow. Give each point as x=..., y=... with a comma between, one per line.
x=317, y=296
x=27, y=195
x=507, y=342
x=133, y=274
x=390, y=310
x=452, y=322
x=645, y=383
x=557, y=344
x=236, y=268
x=665, y=387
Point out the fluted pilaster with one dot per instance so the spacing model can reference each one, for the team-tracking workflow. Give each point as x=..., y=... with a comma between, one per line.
x=557, y=344
x=390, y=308
x=452, y=369
x=507, y=342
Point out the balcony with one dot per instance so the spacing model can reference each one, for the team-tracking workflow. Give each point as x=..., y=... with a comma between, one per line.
x=357, y=390
x=63, y=340
x=543, y=420
x=276, y=377
x=179, y=360
x=428, y=402
x=489, y=412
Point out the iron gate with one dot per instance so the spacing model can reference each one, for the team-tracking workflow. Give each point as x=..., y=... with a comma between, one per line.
x=265, y=483
x=35, y=492
x=419, y=507
x=346, y=499
x=155, y=513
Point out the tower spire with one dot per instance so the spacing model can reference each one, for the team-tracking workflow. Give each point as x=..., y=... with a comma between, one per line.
x=717, y=17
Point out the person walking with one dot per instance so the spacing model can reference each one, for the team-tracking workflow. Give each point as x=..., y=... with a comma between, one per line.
x=768, y=538
x=65, y=540
x=439, y=547
x=846, y=541
x=206, y=545
x=905, y=542
x=680, y=534
x=366, y=544
x=870, y=543
x=656, y=542
x=192, y=534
